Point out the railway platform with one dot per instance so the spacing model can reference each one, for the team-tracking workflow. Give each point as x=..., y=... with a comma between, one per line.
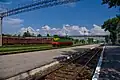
x=110, y=68
x=16, y=64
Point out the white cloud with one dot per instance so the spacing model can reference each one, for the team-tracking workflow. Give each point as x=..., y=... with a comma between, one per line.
x=38, y=30
x=75, y=30
x=46, y=27
x=13, y=21
x=5, y=2
x=30, y=29
x=12, y=25
x=98, y=31
x=66, y=29
x=84, y=31
x=2, y=9
x=71, y=4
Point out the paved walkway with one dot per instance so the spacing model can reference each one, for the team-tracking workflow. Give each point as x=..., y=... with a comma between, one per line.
x=110, y=69
x=16, y=63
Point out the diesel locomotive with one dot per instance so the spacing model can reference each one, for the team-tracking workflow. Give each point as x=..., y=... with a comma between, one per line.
x=62, y=41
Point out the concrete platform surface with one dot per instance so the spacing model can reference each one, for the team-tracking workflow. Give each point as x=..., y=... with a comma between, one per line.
x=16, y=63
x=110, y=69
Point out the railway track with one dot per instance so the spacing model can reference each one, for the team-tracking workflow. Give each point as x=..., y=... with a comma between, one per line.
x=79, y=67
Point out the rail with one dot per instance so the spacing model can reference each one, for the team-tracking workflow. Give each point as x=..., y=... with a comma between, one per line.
x=63, y=66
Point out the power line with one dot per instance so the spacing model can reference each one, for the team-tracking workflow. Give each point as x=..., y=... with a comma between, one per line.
x=29, y=7
x=35, y=5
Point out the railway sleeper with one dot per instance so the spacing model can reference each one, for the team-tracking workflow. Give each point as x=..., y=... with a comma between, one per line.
x=85, y=75
x=69, y=67
x=54, y=76
x=65, y=72
x=65, y=76
x=71, y=70
x=93, y=62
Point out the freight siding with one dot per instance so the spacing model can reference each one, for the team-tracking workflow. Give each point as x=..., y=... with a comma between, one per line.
x=28, y=40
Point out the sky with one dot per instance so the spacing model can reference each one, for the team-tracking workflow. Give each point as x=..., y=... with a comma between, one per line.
x=74, y=18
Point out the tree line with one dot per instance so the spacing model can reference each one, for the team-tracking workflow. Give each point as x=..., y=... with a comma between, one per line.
x=25, y=34
x=112, y=25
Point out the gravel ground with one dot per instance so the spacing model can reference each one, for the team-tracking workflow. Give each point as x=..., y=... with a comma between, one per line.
x=110, y=69
x=14, y=64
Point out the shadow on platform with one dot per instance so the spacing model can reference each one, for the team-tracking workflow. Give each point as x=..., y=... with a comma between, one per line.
x=110, y=69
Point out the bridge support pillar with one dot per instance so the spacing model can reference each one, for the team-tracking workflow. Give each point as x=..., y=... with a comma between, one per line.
x=1, y=41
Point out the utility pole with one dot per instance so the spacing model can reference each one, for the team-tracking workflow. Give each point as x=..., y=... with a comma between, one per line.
x=29, y=7
x=118, y=32
x=1, y=18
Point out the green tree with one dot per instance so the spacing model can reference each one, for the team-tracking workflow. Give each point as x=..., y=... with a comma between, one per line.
x=3, y=34
x=111, y=3
x=18, y=35
x=27, y=34
x=82, y=41
x=48, y=35
x=76, y=40
x=15, y=35
x=32, y=35
x=107, y=39
x=8, y=35
x=111, y=26
x=39, y=35
x=55, y=36
x=90, y=40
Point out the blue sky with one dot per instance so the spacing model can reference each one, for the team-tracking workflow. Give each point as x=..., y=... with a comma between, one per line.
x=83, y=13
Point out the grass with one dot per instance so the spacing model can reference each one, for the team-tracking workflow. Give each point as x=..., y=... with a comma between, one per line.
x=12, y=49
x=23, y=48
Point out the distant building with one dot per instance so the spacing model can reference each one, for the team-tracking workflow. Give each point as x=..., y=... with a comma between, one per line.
x=85, y=37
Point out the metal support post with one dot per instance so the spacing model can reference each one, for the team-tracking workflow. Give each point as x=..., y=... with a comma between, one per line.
x=1, y=18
